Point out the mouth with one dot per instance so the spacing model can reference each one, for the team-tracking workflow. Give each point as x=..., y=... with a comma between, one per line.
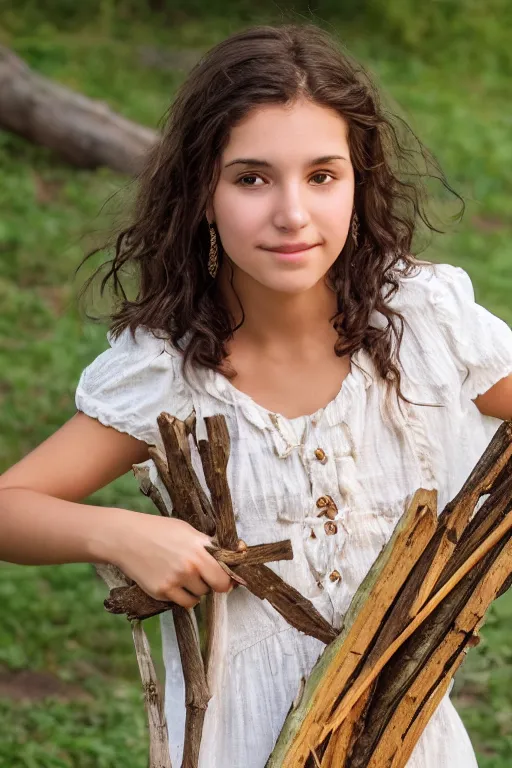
x=293, y=257
x=293, y=248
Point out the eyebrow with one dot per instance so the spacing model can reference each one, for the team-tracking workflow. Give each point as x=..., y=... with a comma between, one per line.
x=266, y=164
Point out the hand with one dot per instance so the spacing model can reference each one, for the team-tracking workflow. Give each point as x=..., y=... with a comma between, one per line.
x=167, y=558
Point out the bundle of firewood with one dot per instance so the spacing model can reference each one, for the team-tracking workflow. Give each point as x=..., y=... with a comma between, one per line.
x=408, y=628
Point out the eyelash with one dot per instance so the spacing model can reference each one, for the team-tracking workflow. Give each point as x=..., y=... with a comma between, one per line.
x=257, y=175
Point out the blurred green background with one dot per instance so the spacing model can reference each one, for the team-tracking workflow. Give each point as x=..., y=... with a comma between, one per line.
x=69, y=686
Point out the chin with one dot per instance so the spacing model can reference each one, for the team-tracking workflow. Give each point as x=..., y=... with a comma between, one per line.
x=292, y=284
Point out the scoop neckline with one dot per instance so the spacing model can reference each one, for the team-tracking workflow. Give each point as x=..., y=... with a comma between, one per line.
x=309, y=417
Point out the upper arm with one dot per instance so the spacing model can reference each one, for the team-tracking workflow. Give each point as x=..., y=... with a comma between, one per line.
x=497, y=401
x=79, y=458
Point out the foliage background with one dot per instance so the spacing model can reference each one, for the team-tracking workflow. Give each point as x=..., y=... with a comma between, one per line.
x=69, y=689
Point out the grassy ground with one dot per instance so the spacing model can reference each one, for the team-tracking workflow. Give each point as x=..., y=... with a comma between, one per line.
x=69, y=690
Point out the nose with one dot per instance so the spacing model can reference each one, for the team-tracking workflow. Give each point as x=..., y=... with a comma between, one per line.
x=290, y=212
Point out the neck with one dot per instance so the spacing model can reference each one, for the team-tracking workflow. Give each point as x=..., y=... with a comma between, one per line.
x=276, y=319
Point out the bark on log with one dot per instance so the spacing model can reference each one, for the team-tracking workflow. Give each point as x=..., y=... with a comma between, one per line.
x=83, y=132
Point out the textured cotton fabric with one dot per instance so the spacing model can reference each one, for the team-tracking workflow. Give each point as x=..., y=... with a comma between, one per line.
x=452, y=350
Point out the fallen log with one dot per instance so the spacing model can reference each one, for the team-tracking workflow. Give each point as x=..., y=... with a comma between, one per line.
x=83, y=132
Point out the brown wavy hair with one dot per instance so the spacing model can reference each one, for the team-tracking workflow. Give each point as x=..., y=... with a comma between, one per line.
x=167, y=243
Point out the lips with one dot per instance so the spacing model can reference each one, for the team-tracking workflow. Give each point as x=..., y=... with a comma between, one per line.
x=293, y=248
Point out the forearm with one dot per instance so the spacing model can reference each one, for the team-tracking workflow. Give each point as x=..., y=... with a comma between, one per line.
x=37, y=529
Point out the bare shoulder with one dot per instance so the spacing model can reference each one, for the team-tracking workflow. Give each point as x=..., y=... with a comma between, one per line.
x=79, y=458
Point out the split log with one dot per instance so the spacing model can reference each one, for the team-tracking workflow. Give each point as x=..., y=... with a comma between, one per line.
x=374, y=688
x=83, y=132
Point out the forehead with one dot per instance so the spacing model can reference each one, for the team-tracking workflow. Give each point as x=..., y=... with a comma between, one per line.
x=298, y=128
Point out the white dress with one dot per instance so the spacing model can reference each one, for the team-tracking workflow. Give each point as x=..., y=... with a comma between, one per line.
x=452, y=350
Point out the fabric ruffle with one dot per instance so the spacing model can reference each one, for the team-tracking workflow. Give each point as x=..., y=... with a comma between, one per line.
x=440, y=299
x=128, y=385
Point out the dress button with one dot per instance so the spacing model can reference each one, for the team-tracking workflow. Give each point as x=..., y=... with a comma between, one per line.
x=330, y=528
x=321, y=456
x=335, y=576
x=328, y=507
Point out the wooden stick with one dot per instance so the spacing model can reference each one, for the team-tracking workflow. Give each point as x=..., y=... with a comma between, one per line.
x=158, y=741
x=341, y=740
x=189, y=501
x=450, y=530
x=137, y=604
x=490, y=514
x=296, y=609
x=400, y=673
x=214, y=454
x=141, y=473
x=197, y=694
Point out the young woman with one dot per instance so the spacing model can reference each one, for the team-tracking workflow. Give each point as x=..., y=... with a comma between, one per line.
x=272, y=240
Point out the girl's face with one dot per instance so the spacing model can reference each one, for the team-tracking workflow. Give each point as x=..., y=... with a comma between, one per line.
x=286, y=180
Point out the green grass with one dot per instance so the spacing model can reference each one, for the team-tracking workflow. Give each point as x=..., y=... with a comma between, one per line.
x=52, y=618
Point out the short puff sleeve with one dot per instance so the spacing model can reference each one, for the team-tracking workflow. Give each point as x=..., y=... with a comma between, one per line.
x=480, y=342
x=128, y=385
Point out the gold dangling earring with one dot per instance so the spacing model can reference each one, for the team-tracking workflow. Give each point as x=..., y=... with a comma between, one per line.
x=355, y=229
x=213, y=262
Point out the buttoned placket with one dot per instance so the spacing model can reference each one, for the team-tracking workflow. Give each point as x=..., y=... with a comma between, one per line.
x=325, y=529
x=324, y=539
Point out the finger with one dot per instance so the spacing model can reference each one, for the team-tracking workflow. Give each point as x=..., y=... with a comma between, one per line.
x=213, y=575
x=182, y=597
x=196, y=585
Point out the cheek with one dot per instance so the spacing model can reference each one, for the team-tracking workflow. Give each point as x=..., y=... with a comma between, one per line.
x=239, y=217
x=335, y=210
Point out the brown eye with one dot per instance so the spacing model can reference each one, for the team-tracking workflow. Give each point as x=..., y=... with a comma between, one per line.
x=249, y=176
x=326, y=175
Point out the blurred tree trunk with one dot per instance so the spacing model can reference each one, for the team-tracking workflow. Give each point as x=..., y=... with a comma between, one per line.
x=84, y=132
